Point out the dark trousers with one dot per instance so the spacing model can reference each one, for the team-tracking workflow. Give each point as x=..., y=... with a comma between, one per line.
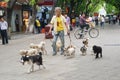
x=84, y=26
x=17, y=27
x=4, y=36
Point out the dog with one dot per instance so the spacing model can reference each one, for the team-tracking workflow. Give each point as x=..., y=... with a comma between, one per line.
x=70, y=51
x=31, y=60
x=39, y=47
x=85, y=42
x=97, y=51
x=29, y=52
x=58, y=45
x=42, y=48
x=83, y=49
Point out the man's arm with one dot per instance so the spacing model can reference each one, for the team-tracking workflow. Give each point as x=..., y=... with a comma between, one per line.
x=51, y=24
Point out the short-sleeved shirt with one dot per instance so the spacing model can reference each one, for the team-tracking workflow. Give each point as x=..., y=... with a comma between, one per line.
x=58, y=23
x=82, y=20
x=3, y=25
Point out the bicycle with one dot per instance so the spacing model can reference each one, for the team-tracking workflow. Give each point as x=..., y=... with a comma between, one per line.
x=80, y=33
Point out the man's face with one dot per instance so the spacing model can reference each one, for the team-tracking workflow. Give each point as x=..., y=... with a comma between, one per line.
x=83, y=15
x=58, y=12
x=2, y=19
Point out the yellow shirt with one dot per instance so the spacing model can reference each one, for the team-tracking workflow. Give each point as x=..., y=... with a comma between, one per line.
x=59, y=24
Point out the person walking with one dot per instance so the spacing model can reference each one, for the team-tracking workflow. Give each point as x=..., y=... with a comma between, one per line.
x=37, y=25
x=17, y=23
x=102, y=21
x=3, y=29
x=67, y=22
x=58, y=23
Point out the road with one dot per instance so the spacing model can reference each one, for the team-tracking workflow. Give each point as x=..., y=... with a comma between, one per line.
x=59, y=67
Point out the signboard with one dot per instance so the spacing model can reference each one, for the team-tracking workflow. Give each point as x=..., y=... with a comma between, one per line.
x=46, y=2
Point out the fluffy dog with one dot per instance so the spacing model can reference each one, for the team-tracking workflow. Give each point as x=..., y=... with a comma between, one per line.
x=31, y=60
x=58, y=45
x=39, y=47
x=42, y=48
x=29, y=52
x=85, y=42
x=83, y=49
x=70, y=51
x=97, y=51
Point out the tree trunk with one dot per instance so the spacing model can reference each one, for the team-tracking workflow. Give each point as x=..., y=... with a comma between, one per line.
x=11, y=4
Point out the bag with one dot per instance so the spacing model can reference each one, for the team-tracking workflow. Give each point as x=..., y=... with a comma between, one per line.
x=91, y=24
x=47, y=34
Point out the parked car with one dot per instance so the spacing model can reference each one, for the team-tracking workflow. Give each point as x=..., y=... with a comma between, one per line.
x=108, y=18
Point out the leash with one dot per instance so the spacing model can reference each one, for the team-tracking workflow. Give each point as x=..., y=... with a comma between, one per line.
x=70, y=39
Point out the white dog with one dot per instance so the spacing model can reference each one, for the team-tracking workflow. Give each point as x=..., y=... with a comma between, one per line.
x=29, y=52
x=58, y=45
x=39, y=47
x=70, y=51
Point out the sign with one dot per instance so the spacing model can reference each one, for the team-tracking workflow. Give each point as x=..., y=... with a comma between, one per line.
x=46, y=2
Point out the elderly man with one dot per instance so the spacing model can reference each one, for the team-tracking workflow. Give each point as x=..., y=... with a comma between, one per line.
x=58, y=24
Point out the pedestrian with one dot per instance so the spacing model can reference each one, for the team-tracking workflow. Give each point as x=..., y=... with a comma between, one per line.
x=3, y=29
x=77, y=20
x=96, y=20
x=17, y=23
x=67, y=23
x=58, y=23
x=38, y=25
x=119, y=19
x=102, y=20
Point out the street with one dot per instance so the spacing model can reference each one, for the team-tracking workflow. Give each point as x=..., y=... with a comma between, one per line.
x=60, y=68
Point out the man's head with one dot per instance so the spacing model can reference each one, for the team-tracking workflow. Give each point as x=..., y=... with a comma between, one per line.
x=83, y=14
x=2, y=19
x=58, y=11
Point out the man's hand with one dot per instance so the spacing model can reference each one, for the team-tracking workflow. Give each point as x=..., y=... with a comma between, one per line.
x=49, y=32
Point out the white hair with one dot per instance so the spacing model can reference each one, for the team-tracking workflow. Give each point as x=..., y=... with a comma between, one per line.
x=58, y=8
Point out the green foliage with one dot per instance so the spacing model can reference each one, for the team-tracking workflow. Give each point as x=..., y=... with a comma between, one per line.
x=32, y=2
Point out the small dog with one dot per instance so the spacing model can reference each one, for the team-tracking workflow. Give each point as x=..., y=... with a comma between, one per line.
x=58, y=45
x=83, y=49
x=70, y=51
x=97, y=51
x=85, y=42
x=29, y=52
x=39, y=47
x=31, y=60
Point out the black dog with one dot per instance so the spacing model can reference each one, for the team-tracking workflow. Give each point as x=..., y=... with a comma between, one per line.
x=97, y=50
x=32, y=60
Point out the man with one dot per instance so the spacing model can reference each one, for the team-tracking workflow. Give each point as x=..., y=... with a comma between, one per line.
x=83, y=21
x=3, y=28
x=38, y=25
x=58, y=24
x=67, y=23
